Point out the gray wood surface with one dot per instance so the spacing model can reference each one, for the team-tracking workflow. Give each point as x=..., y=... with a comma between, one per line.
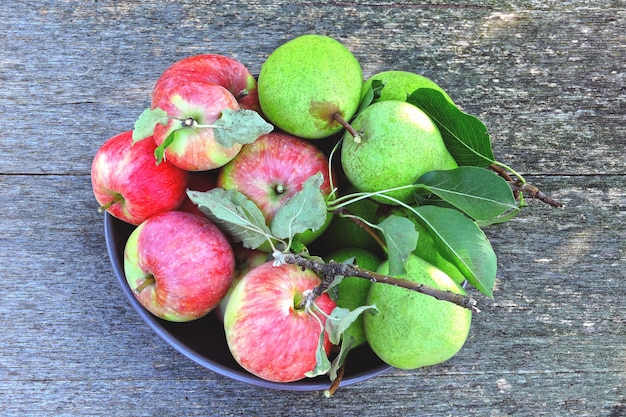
x=548, y=78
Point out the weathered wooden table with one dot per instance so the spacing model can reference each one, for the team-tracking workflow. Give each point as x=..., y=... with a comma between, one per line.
x=548, y=78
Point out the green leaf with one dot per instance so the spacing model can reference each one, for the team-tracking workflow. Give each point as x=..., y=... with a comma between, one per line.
x=372, y=93
x=479, y=193
x=159, y=152
x=331, y=290
x=500, y=219
x=336, y=327
x=147, y=121
x=347, y=344
x=239, y=126
x=401, y=239
x=463, y=243
x=235, y=214
x=298, y=247
x=465, y=136
x=341, y=318
x=305, y=210
x=322, y=364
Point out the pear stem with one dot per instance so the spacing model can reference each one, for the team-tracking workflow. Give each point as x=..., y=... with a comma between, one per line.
x=332, y=269
x=355, y=135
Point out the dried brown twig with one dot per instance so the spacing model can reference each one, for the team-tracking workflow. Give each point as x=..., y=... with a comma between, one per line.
x=524, y=188
x=328, y=272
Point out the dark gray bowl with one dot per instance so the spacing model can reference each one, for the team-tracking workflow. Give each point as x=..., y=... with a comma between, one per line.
x=203, y=340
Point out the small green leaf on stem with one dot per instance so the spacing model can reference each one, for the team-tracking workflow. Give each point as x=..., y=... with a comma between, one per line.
x=147, y=121
x=237, y=215
x=306, y=210
x=337, y=326
x=322, y=364
x=372, y=93
x=341, y=318
x=159, y=152
x=239, y=126
x=347, y=344
x=401, y=239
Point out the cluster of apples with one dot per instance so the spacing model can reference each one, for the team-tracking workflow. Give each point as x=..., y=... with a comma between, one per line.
x=214, y=127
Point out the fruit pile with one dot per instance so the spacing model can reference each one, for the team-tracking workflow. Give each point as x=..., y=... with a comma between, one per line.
x=312, y=211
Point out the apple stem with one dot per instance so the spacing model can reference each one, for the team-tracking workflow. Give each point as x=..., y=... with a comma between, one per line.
x=333, y=387
x=279, y=189
x=332, y=269
x=355, y=135
x=149, y=281
x=242, y=94
x=106, y=206
x=188, y=122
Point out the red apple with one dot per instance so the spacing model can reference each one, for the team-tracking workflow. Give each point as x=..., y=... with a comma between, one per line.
x=128, y=183
x=179, y=265
x=267, y=332
x=194, y=149
x=215, y=69
x=274, y=168
x=245, y=260
x=199, y=181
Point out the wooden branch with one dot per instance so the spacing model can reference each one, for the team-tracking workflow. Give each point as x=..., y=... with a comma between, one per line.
x=534, y=192
x=328, y=271
x=525, y=188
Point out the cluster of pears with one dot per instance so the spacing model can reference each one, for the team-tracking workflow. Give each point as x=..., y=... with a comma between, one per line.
x=313, y=87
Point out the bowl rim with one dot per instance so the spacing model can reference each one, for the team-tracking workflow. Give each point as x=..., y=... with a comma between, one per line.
x=307, y=384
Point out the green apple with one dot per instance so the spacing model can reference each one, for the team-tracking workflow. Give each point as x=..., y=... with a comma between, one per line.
x=413, y=330
x=306, y=82
x=352, y=291
x=398, y=143
x=399, y=85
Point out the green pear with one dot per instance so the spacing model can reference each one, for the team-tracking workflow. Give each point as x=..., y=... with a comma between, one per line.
x=413, y=330
x=397, y=143
x=399, y=85
x=308, y=81
x=352, y=291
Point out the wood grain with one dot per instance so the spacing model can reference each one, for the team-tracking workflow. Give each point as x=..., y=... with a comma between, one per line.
x=546, y=77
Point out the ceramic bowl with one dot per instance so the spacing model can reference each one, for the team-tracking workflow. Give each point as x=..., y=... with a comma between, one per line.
x=203, y=340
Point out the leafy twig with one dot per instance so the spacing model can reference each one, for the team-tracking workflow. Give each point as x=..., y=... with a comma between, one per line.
x=330, y=270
